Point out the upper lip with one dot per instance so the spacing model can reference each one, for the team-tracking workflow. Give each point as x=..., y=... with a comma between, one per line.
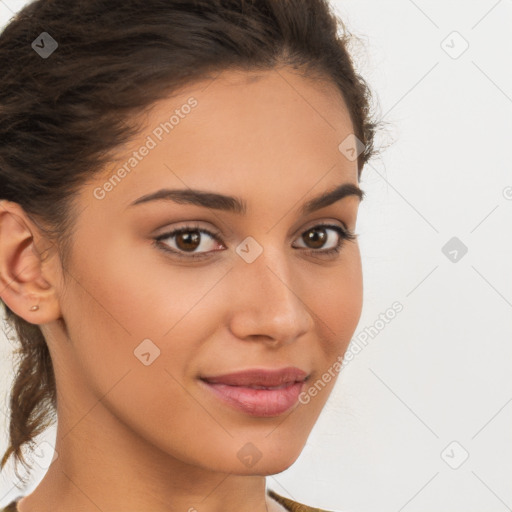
x=259, y=377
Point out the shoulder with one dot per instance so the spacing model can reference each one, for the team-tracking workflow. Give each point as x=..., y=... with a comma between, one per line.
x=293, y=506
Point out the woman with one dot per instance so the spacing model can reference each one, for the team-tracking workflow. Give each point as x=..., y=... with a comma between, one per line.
x=179, y=192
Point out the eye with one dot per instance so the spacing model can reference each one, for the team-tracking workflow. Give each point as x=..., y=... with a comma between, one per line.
x=318, y=236
x=187, y=239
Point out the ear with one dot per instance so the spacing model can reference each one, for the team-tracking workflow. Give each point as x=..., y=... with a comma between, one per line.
x=29, y=270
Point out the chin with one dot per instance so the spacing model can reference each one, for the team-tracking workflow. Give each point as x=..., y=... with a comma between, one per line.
x=270, y=467
x=276, y=460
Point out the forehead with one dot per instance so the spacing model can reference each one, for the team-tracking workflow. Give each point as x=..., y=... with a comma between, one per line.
x=270, y=129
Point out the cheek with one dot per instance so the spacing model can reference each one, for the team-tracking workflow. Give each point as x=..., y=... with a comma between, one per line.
x=336, y=300
x=139, y=291
x=127, y=307
x=136, y=331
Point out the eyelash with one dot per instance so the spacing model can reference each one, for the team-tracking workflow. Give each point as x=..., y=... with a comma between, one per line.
x=345, y=235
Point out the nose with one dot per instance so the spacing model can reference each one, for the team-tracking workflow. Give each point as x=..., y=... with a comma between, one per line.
x=265, y=304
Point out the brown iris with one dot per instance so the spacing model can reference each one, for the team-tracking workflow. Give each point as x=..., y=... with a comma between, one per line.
x=190, y=238
x=312, y=236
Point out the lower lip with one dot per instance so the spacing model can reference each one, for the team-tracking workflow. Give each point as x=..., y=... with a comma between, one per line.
x=258, y=402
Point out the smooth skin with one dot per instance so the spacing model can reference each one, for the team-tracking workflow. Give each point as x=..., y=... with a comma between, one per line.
x=135, y=437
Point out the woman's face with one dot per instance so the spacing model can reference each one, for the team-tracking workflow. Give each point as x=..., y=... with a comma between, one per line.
x=147, y=322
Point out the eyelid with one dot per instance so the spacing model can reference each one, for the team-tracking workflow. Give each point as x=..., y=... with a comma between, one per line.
x=344, y=235
x=191, y=226
x=220, y=237
x=322, y=222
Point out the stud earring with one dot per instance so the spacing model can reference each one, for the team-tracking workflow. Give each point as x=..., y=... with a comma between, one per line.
x=34, y=308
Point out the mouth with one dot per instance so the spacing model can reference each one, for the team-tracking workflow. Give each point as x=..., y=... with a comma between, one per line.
x=258, y=392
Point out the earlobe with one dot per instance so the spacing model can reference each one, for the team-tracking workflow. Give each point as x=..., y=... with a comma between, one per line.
x=25, y=283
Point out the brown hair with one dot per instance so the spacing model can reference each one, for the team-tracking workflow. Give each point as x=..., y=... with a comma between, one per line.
x=61, y=117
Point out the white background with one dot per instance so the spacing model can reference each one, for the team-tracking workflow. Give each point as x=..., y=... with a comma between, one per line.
x=440, y=371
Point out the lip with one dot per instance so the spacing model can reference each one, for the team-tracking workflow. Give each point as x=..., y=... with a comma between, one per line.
x=243, y=390
x=259, y=377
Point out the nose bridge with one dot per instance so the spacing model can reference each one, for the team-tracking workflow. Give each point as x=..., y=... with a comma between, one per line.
x=265, y=300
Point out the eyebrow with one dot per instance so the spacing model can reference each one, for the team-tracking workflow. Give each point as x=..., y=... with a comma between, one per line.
x=239, y=206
